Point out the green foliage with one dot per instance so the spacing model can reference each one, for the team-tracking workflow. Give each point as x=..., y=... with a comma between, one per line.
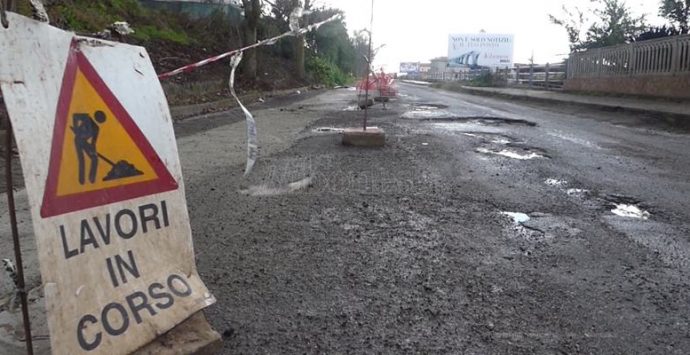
x=148, y=33
x=90, y=16
x=93, y=16
x=323, y=71
x=489, y=79
x=613, y=24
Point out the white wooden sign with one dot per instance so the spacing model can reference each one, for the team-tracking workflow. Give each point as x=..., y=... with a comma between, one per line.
x=103, y=176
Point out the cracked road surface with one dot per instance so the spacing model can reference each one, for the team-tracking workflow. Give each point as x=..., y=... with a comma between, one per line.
x=484, y=226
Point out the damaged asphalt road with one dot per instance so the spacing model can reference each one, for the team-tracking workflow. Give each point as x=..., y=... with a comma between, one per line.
x=484, y=226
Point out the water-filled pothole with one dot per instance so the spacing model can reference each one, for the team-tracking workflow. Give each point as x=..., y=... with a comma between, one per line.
x=494, y=138
x=525, y=153
x=446, y=116
x=630, y=211
x=428, y=107
x=626, y=206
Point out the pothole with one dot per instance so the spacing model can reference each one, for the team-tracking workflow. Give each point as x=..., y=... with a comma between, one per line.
x=427, y=115
x=555, y=182
x=630, y=211
x=518, y=217
x=621, y=199
x=626, y=206
x=490, y=137
x=328, y=130
x=576, y=192
x=515, y=153
x=427, y=107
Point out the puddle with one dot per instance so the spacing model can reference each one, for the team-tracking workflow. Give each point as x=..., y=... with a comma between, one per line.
x=489, y=137
x=555, y=182
x=630, y=211
x=513, y=154
x=427, y=115
x=518, y=217
x=501, y=141
x=443, y=115
x=576, y=192
x=328, y=130
x=352, y=108
x=427, y=107
x=263, y=190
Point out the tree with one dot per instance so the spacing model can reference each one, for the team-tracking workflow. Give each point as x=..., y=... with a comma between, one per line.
x=331, y=41
x=252, y=14
x=282, y=9
x=656, y=32
x=573, y=22
x=613, y=23
x=677, y=12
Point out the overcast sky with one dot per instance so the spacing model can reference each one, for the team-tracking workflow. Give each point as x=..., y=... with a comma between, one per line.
x=418, y=30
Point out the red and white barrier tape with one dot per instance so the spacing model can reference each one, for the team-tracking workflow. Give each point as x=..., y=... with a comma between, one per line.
x=265, y=42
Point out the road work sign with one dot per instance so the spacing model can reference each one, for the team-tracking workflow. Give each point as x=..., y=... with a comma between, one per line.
x=105, y=188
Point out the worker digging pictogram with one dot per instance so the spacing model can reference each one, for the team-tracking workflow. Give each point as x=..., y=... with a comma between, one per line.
x=86, y=131
x=99, y=155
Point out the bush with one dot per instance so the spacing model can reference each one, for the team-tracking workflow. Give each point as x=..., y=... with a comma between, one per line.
x=324, y=72
x=489, y=79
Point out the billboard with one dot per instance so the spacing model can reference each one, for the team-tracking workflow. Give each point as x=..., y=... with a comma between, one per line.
x=409, y=68
x=480, y=50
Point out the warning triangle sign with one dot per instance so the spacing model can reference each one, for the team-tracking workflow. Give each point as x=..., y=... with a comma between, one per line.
x=99, y=155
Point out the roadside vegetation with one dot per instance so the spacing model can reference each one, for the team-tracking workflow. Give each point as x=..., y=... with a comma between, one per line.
x=328, y=57
x=611, y=22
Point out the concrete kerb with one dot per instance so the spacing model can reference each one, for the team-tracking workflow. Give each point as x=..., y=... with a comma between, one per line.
x=186, y=111
x=609, y=108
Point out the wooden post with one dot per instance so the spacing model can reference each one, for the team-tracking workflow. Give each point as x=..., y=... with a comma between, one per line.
x=517, y=74
x=546, y=79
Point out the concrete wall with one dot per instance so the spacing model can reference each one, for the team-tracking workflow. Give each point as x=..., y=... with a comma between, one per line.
x=669, y=86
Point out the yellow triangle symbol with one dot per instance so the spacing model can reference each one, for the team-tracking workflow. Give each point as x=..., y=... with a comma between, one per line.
x=93, y=150
x=98, y=155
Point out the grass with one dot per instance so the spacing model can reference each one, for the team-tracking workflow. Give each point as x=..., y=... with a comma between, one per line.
x=90, y=16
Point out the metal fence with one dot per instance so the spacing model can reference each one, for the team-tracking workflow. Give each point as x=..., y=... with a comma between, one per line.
x=545, y=76
x=665, y=56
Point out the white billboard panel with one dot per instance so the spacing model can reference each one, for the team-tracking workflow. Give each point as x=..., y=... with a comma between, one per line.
x=477, y=50
x=409, y=68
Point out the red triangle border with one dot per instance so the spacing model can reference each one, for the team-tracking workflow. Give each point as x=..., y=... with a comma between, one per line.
x=54, y=205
